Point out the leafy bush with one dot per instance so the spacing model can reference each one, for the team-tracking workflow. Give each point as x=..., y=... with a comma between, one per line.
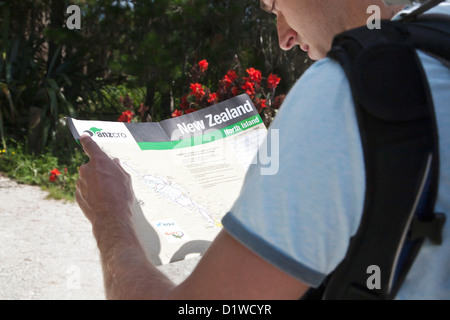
x=42, y=79
x=260, y=89
x=44, y=170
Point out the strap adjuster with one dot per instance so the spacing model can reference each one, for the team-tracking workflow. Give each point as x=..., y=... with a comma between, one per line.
x=428, y=229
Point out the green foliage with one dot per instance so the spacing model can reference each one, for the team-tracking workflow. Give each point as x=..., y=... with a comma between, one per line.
x=112, y=96
x=19, y=165
x=43, y=67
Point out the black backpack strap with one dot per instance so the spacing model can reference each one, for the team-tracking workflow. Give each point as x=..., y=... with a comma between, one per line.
x=395, y=113
x=431, y=33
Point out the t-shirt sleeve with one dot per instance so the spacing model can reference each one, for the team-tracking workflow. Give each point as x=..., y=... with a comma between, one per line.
x=302, y=201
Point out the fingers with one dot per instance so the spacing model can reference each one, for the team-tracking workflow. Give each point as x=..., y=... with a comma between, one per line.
x=79, y=195
x=119, y=165
x=91, y=148
x=82, y=202
x=79, y=189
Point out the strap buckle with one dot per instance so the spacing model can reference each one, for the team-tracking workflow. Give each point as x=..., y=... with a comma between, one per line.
x=428, y=229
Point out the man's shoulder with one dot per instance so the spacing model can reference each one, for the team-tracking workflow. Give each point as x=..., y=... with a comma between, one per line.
x=322, y=76
x=322, y=90
x=324, y=68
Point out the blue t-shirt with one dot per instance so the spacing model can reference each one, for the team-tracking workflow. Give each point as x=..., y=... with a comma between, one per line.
x=301, y=218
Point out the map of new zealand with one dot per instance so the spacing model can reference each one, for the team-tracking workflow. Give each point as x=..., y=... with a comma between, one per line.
x=186, y=172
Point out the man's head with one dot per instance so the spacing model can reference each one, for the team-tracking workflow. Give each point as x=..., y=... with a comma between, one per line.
x=312, y=24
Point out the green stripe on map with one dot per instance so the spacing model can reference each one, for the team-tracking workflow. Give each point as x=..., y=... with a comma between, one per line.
x=205, y=138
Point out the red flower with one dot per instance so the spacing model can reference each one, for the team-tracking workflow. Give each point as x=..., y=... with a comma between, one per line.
x=126, y=116
x=254, y=75
x=231, y=74
x=213, y=98
x=55, y=172
x=229, y=78
x=197, y=90
x=184, y=103
x=260, y=103
x=54, y=175
x=232, y=84
x=249, y=88
x=203, y=65
x=177, y=113
x=272, y=81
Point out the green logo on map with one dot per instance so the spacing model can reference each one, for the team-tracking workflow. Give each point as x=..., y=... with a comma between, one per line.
x=103, y=134
x=92, y=131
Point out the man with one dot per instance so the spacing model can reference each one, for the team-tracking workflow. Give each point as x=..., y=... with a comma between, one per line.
x=298, y=229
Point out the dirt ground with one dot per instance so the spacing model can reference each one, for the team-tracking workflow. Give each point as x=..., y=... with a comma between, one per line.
x=47, y=251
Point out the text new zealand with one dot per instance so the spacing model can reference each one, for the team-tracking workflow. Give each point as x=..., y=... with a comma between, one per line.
x=216, y=119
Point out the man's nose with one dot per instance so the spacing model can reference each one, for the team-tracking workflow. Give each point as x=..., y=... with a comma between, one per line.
x=287, y=37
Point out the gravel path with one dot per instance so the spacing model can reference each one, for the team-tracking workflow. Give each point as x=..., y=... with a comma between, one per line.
x=47, y=250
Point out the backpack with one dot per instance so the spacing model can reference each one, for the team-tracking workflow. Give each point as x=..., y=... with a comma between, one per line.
x=395, y=113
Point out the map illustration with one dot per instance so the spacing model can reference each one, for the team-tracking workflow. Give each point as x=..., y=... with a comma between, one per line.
x=174, y=193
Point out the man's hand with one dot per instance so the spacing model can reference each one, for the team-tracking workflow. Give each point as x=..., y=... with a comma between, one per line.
x=104, y=191
x=106, y=196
